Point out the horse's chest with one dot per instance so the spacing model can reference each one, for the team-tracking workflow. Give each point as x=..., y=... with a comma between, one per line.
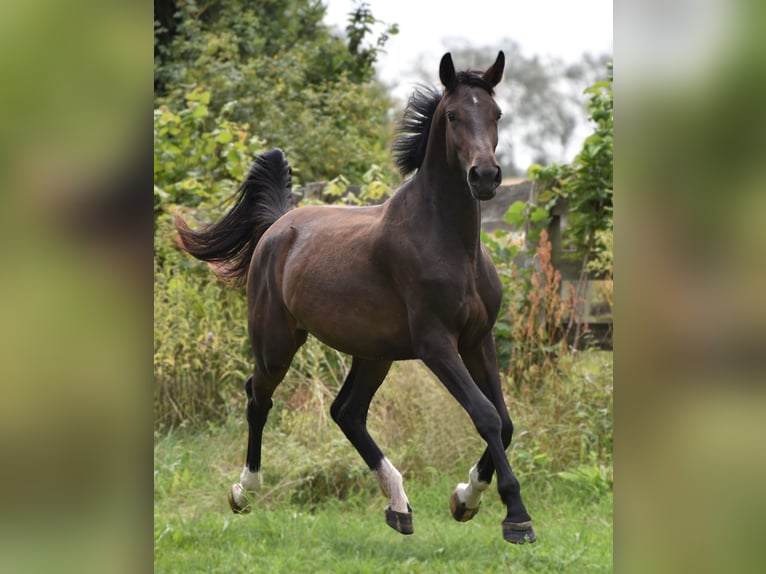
x=473, y=314
x=463, y=303
x=480, y=304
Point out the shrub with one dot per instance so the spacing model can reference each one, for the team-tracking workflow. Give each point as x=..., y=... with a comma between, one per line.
x=201, y=349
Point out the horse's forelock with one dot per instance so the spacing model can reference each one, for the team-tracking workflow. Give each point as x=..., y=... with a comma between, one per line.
x=475, y=80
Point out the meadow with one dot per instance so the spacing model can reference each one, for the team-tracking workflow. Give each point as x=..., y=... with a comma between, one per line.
x=321, y=510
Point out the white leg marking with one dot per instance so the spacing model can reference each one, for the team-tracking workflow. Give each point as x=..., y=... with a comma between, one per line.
x=470, y=493
x=391, y=482
x=250, y=480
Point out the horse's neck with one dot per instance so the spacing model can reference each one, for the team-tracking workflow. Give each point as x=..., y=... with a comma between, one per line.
x=450, y=209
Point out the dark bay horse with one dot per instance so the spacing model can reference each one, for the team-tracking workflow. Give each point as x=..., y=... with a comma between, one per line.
x=408, y=279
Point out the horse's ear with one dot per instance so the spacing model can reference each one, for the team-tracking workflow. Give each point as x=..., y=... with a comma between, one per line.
x=494, y=74
x=447, y=72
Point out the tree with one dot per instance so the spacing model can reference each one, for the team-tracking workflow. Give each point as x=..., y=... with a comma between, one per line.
x=274, y=67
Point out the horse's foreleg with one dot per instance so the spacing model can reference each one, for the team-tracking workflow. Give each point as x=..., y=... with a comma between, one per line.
x=453, y=373
x=481, y=362
x=349, y=411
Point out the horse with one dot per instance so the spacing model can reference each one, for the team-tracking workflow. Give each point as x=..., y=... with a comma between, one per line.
x=405, y=279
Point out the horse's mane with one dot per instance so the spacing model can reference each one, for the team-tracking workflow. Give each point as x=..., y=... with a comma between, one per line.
x=410, y=146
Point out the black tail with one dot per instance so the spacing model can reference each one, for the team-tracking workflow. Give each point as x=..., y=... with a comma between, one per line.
x=229, y=243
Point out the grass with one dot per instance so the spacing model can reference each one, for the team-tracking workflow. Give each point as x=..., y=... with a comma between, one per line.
x=352, y=537
x=298, y=527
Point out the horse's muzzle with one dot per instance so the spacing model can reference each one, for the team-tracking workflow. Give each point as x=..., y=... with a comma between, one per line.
x=484, y=181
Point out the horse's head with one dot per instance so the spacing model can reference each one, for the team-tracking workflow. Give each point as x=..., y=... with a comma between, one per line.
x=470, y=115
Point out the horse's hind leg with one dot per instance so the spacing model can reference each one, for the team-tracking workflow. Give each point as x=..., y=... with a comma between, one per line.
x=273, y=359
x=349, y=410
x=257, y=412
x=258, y=406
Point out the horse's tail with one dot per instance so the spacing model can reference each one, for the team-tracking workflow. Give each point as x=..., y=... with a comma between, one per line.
x=228, y=244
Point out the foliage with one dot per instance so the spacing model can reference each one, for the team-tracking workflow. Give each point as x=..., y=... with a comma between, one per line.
x=539, y=323
x=372, y=189
x=363, y=58
x=587, y=183
x=602, y=263
x=566, y=420
x=535, y=327
x=277, y=67
x=195, y=165
x=594, y=478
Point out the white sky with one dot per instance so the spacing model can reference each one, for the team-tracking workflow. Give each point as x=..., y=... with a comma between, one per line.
x=561, y=28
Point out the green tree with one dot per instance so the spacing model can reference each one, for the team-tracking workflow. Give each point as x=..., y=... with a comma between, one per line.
x=274, y=66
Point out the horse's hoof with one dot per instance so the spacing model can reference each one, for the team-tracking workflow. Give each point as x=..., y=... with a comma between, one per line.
x=400, y=521
x=238, y=500
x=460, y=511
x=518, y=532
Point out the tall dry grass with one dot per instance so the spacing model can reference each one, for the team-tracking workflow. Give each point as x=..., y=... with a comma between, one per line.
x=540, y=323
x=201, y=350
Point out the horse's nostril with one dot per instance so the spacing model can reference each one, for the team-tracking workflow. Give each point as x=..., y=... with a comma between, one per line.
x=488, y=176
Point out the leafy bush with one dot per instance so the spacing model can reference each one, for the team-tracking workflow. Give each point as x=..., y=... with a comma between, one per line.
x=196, y=165
x=539, y=322
x=587, y=183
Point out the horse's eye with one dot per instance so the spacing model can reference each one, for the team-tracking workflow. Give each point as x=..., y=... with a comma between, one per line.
x=499, y=115
x=451, y=116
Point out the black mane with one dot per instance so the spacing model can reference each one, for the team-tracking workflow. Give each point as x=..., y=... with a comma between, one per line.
x=409, y=149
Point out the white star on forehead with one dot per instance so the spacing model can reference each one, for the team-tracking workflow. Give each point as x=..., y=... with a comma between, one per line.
x=475, y=99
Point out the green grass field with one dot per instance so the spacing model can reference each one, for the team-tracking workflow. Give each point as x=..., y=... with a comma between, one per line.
x=194, y=530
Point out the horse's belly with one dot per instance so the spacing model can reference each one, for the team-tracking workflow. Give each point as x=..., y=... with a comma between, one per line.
x=367, y=341
x=357, y=325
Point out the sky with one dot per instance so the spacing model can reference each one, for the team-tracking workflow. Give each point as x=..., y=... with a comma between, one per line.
x=561, y=28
